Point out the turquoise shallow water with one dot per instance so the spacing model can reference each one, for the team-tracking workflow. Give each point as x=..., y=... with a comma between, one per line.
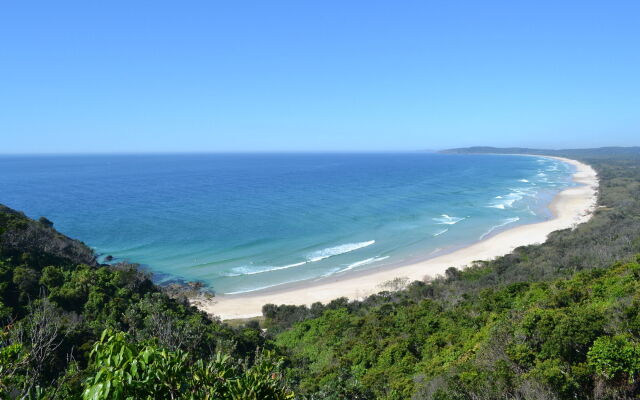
x=242, y=222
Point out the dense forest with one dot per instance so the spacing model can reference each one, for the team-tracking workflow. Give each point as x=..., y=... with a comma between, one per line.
x=557, y=320
x=71, y=328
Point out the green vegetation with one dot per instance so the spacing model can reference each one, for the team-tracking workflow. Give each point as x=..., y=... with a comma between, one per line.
x=56, y=303
x=569, y=338
x=559, y=320
x=122, y=369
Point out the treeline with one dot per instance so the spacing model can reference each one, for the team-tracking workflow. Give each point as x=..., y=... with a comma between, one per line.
x=436, y=339
x=62, y=315
x=576, y=338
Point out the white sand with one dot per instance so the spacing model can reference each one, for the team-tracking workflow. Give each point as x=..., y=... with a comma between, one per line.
x=570, y=208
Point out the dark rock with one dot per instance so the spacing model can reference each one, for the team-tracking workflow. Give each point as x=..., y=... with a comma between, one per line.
x=20, y=234
x=45, y=221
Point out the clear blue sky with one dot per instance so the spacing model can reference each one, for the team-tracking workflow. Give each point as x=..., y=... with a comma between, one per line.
x=136, y=76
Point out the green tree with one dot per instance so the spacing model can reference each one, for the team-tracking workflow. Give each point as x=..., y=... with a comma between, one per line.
x=615, y=357
x=126, y=370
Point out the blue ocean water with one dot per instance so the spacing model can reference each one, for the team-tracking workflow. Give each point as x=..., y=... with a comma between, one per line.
x=244, y=222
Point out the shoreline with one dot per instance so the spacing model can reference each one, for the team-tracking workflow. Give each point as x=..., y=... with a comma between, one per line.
x=569, y=208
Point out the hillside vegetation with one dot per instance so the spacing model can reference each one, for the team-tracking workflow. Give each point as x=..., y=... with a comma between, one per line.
x=568, y=338
x=71, y=328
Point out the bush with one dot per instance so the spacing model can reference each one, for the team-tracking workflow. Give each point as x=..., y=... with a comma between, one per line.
x=615, y=357
x=124, y=370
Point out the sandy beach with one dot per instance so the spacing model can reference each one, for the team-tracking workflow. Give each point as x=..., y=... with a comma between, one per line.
x=570, y=208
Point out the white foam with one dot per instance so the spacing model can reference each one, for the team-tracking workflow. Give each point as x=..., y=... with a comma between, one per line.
x=263, y=287
x=504, y=222
x=356, y=265
x=441, y=232
x=364, y=262
x=523, y=180
x=508, y=200
x=313, y=257
x=445, y=219
x=337, y=250
x=248, y=270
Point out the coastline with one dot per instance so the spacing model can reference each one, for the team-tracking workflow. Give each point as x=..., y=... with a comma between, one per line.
x=569, y=208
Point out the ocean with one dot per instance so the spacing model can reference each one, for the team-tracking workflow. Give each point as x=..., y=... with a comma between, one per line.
x=245, y=222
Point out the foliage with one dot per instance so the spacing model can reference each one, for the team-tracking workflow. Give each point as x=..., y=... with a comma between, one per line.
x=125, y=370
x=526, y=340
x=55, y=301
x=615, y=357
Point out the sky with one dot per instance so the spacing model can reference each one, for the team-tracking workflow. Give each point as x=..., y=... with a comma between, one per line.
x=228, y=76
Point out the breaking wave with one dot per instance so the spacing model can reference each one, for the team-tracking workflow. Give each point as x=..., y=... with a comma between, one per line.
x=337, y=250
x=247, y=270
x=445, y=219
x=313, y=257
x=263, y=287
x=504, y=223
x=356, y=265
x=508, y=200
